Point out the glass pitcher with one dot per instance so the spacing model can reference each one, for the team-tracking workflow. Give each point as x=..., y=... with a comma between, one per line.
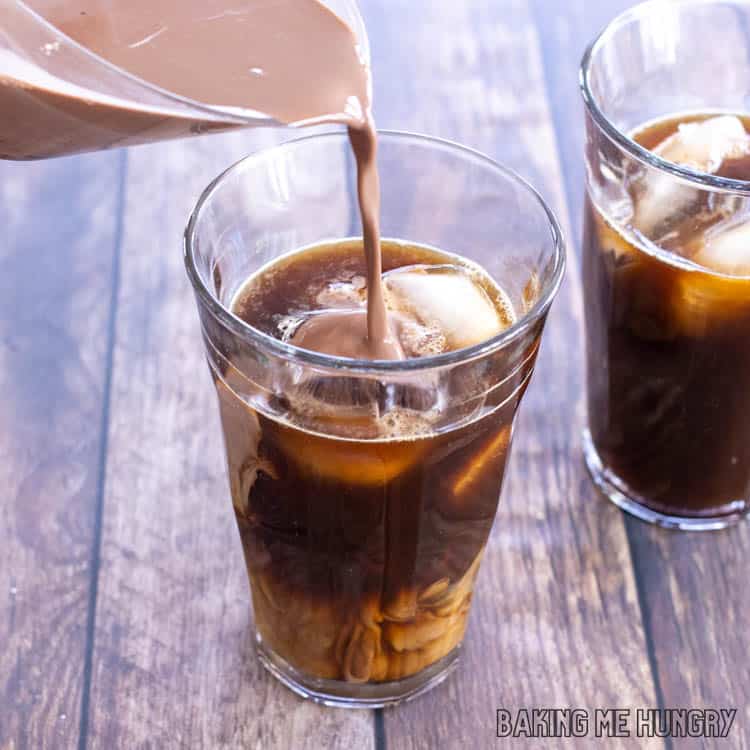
x=59, y=98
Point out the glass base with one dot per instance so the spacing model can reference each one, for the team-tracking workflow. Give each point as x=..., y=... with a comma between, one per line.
x=340, y=694
x=621, y=495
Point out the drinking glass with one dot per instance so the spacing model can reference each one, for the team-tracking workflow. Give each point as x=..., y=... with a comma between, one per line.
x=362, y=550
x=668, y=436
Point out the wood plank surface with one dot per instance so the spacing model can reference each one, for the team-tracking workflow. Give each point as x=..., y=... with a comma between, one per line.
x=57, y=246
x=556, y=620
x=693, y=587
x=563, y=38
x=174, y=664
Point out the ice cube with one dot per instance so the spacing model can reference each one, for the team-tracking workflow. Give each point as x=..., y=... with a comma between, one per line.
x=726, y=250
x=445, y=299
x=702, y=300
x=660, y=199
x=344, y=294
x=612, y=241
x=358, y=463
x=704, y=146
x=470, y=475
x=661, y=203
x=343, y=392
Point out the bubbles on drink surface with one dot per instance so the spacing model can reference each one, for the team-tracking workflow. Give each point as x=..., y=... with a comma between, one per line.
x=439, y=303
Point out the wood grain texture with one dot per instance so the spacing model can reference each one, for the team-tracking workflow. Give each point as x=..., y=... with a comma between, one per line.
x=563, y=37
x=556, y=620
x=174, y=664
x=693, y=590
x=58, y=242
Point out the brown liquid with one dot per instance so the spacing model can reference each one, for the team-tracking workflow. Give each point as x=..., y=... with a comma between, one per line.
x=294, y=60
x=669, y=361
x=363, y=533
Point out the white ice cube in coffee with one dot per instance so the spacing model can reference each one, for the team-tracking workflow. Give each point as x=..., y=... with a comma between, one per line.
x=445, y=299
x=726, y=250
x=705, y=146
x=702, y=146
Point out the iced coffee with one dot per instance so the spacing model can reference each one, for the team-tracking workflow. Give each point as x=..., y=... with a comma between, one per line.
x=667, y=279
x=362, y=523
x=368, y=389
x=666, y=262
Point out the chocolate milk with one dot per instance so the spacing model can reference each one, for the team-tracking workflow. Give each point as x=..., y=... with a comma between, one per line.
x=292, y=60
x=354, y=333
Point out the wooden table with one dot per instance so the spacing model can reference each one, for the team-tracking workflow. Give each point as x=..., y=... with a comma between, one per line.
x=124, y=610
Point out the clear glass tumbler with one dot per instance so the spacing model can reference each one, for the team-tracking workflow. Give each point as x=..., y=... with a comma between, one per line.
x=668, y=326
x=362, y=553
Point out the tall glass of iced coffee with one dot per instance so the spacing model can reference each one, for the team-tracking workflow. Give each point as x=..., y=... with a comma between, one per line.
x=667, y=262
x=365, y=488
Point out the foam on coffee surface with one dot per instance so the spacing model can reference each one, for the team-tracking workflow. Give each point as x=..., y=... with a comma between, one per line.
x=432, y=309
x=439, y=305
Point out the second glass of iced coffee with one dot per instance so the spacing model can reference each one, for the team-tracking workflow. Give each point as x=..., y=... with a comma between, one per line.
x=667, y=262
x=365, y=491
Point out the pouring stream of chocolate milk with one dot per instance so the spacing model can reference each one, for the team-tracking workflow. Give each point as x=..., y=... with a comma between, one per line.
x=293, y=60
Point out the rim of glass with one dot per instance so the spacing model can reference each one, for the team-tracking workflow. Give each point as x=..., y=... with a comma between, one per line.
x=244, y=330
x=640, y=11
